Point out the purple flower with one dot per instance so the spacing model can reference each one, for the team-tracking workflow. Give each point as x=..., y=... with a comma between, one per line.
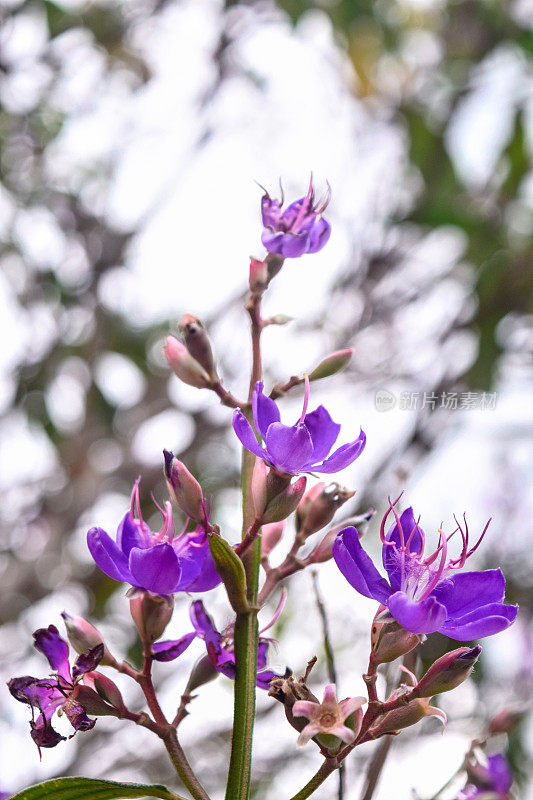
x=156, y=562
x=57, y=692
x=220, y=646
x=491, y=781
x=303, y=447
x=425, y=593
x=297, y=230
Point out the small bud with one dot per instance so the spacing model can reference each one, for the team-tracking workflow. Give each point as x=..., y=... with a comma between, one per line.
x=184, y=488
x=203, y=672
x=151, y=614
x=231, y=569
x=270, y=536
x=91, y=702
x=283, y=504
x=259, y=486
x=83, y=636
x=389, y=640
x=505, y=720
x=448, y=671
x=324, y=550
x=407, y=715
x=274, y=264
x=331, y=364
x=318, y=506
x=258, y=276
x=198, y=344
x=106, y=688
x=280, y=319
x=184, y=365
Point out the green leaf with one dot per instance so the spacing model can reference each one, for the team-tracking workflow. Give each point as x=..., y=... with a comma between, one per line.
x=92, y=789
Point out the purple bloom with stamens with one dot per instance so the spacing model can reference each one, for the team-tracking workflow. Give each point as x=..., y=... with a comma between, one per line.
x=425, y=593
x=220, y=646
x=156, y=562
x=291, y=449
x=490, y=781
x=299, y=229
x=57, y=693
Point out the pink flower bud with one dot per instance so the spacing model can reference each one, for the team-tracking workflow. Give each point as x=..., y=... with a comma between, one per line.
x=270, y=536
x=407, y=715
x=506, y=720
x=198, y=344
x=184, y=365
x=151, y=614
x=184, y=488
x=318, y=506
x=106, y=688
x=259, y=486
x=91, y=702
x=203, y=672
x=448, y=671
x=283, y=504
x=258, y=276
x=83, y=636
x=389, y=640
x=331, y=364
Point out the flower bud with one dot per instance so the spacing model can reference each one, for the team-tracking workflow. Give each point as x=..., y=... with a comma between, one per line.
x=280, y=319
x=259, y=486
x=83, y=636
x=151, y=614
x=505, y=720
x=106, y=688
x=324, y=550
x=283, y=504
x=270, y=536
x=198, y=344
x=184, y=365
x=331, y=364
x=274, y=264
x=448, y=671
x=184, y=488
x=389, y=640
x=91, y=702
x=258, y=276
x=407, y=715
x=202, y=672
x=318, y=506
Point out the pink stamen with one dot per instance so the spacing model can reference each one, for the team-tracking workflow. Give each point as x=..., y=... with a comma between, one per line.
x=307, y=203
x=408, y=542
x=439, y=572
x=382, y=534
x=306, y=399
x=399, y=526
x=136, y=501
x=277, y=612
x=324, y=203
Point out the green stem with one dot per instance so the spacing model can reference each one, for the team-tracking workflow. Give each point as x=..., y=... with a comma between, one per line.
x=182, y=766
x=317, y=780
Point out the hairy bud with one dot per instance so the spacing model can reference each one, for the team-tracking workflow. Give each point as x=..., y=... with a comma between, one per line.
x=284, y=503
x=184, y=488
x=389, y=640
x=448, y=671
x=202, y=672
x=331, y=364
x=151, y=614
x=318, y=506
x=258, y=276
x=198, y=344
x=83, y=636
x=270, y=536
x=184, y=365
x=407, y=715
x=106, y=688
x=506, y=720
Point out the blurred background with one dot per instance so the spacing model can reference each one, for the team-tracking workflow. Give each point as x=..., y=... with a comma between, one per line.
x=131, y=134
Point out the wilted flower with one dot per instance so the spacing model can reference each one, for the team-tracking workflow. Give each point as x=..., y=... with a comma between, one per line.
x=157, y=562
x=329, y=716
x=488, y=781
x=220, y=646
x=303, y=447
x=425, y=594
x=62, y=692
x=297, y=230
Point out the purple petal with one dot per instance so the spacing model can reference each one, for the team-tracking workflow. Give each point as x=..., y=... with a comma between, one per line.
x=201, y=621
x=130, y=535
x=264, y=677
x=342, y=457
x=288, y=245
x=207, y=577
x=323, y=432
x=108, y=556
x=391, y=561
x=466, y=591
x=77, y=716
x=168, y=651
x=245, y=434
x=262, y=651
x=270, y=211
x=500, y=773
x=319, y=235
x=49, y=643
x=265, y=410
x=42, y=694
x=289, y=448
x=86, y=662
x=357, y=566
x=424, y=616
x=484, y=621
x=43, y=734
x=156, y=569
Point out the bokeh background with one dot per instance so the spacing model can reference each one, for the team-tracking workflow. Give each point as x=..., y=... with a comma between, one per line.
x=131, y=134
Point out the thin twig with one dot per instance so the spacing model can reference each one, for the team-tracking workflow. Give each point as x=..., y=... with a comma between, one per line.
x=375, y=767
